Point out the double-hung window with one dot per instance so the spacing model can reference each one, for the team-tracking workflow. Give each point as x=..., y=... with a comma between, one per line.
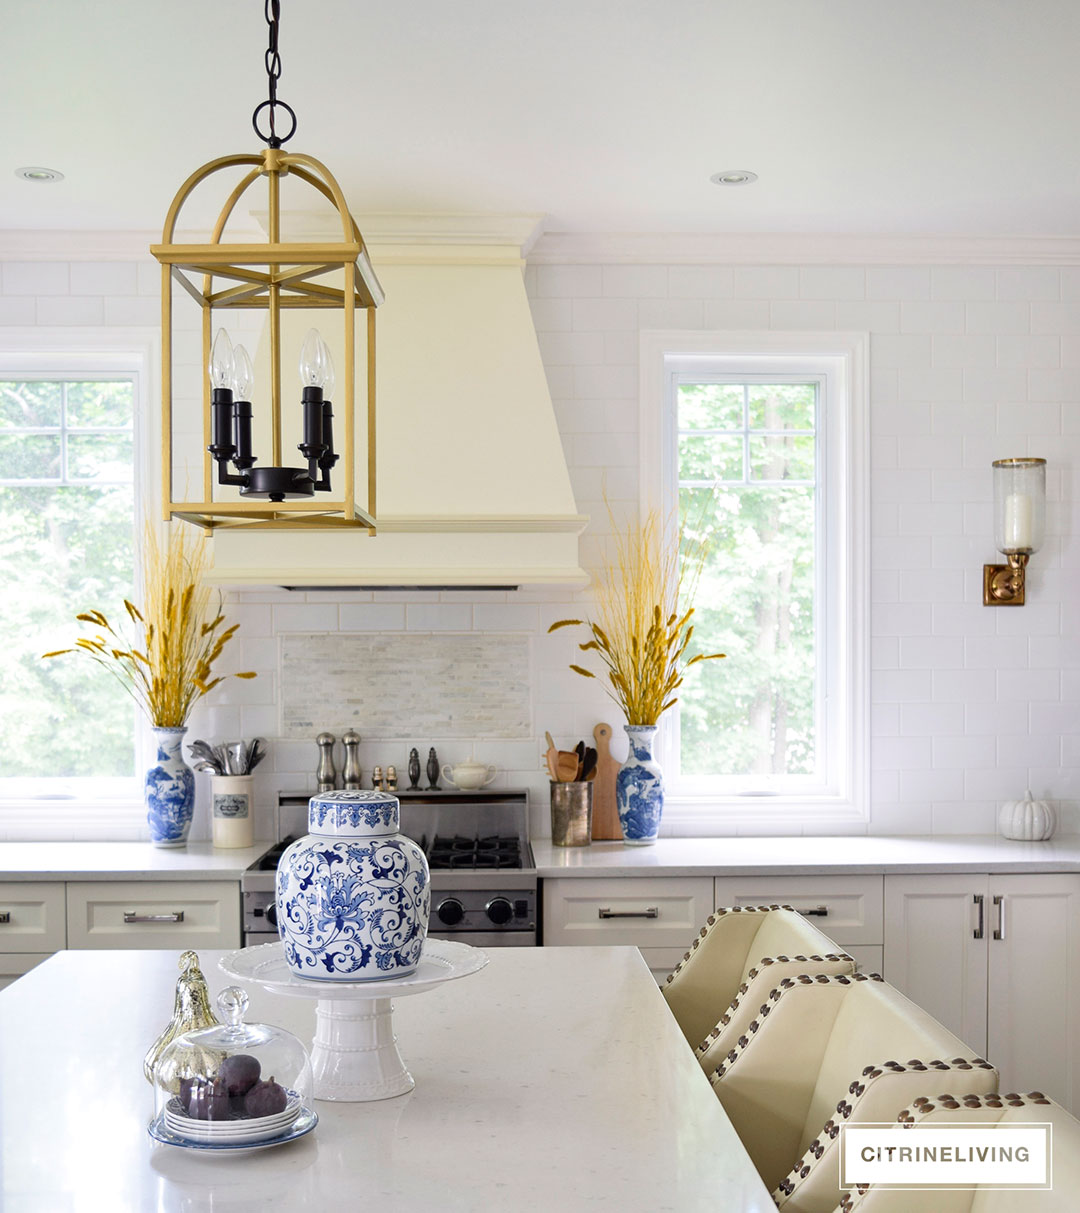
x=758, y=442
x=71, y=427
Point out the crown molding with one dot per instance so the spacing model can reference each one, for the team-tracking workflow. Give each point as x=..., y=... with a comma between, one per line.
x=677, y=248
x=524, y=235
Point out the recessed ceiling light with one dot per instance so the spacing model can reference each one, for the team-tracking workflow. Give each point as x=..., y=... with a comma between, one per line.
x=39, y=175
x=733, y=176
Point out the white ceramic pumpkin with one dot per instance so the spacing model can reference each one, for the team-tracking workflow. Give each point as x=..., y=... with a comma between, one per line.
x=1027, y=820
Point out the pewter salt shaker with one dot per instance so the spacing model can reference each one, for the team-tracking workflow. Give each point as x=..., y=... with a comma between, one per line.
x=351, y=775
x=325, y=776
x=414, y=769
x=433, y=770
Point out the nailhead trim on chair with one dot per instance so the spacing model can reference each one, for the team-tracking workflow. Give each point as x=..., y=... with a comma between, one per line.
x=831, y=1128
x=711, y=921
x=725, y=1019
x=788, y=983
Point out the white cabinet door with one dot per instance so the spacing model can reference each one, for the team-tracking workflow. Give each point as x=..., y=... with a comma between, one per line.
x=1033, y=1005
x=935, y=948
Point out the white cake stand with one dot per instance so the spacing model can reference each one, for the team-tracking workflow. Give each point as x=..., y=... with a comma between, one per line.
x=354, y=1055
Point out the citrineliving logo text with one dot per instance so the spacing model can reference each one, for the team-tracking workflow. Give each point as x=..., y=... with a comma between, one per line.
x=946, y=1155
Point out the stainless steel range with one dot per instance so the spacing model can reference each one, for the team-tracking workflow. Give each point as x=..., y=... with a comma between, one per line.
x=483, y=882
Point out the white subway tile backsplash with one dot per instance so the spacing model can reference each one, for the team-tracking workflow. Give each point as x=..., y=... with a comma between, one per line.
x=1028, y=282
x=35, y=277
x=701, y=282
x=964, y=349
x=802, y=314
x=372, y=616
x=962, y=282
x=443, y=617
x=568, y=281
x=671, y=313
x=927, y=317
x=634, y=281
x=898, y=282
x=825, y=282
x=305, y=617
x=737, y=313
x=766, y=282
x=63, y=310
x=104, y=278
x=1003, y=317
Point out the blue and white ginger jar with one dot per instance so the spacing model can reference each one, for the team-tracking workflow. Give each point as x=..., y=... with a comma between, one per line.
x=169, y=790
x=353, y=895
x=639, y=788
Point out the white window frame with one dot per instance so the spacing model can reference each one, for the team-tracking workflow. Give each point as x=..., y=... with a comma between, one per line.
x=840, y=362
x=48, y=808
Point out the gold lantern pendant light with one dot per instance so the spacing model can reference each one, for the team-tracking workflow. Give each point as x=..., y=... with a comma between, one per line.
x=272, y=275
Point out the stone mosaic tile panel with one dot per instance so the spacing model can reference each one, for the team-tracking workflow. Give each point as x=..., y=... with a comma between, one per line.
x=445, y=685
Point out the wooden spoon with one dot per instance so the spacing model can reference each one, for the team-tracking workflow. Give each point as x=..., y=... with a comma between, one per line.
x=550, y=757
x=566, y=766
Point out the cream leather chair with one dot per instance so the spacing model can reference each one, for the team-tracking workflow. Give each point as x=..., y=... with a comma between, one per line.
x=822, y=1051
x=1063, y=1197
x=739, y=955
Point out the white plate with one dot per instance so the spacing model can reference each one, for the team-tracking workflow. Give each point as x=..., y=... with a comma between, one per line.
x=175, y=1119
x=304, y=1123
x=441, y=960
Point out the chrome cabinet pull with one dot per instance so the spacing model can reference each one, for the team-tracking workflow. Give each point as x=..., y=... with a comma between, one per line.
x=5, y=916
x=816, y=912
x=978, y=932
x=606, y=912
x=999, y=931
x=131, y=916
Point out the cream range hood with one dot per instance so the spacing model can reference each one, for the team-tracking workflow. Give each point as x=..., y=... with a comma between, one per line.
x=473, y=489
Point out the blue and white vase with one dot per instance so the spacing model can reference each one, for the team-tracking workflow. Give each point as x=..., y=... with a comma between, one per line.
x=353, y=895
x=639, y=788
x=170, y=791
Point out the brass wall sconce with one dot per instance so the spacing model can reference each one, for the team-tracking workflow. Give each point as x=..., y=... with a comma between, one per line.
x=1019, y=526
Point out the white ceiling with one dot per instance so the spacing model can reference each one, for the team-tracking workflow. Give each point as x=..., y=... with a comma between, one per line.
x=863, y=116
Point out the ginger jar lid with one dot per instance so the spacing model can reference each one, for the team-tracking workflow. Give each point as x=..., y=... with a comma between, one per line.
x=354, y=814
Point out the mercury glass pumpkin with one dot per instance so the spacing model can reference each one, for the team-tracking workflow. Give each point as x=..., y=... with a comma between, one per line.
x=353, y=895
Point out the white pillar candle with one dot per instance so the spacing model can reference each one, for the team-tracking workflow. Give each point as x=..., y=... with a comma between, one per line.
x=1018, y=521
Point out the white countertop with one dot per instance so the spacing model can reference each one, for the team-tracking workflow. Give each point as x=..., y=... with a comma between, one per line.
x=556, y=1078
x=124, y=861
x=809, y=856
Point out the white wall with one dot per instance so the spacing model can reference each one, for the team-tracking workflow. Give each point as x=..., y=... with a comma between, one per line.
x=971, y=705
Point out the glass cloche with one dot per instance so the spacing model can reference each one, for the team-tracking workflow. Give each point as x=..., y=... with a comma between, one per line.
x=233, y=1085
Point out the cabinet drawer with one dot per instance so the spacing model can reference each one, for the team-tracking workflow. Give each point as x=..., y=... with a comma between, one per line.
x=647, y=911
x=853, y=905
x=165, y=914
x=31, y=916
x=15, y=964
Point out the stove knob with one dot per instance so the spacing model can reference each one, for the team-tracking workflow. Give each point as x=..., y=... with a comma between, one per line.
x=450, y=911
x=271, y=914
x=499, y=910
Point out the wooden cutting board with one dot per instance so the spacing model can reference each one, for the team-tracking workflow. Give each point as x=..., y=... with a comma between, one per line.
x=605, y=816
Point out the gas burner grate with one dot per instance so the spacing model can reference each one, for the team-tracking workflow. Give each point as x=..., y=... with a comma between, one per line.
x=270, y=860
x=459, y=853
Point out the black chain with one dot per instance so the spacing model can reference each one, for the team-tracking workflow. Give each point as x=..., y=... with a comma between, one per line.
x=272, y=60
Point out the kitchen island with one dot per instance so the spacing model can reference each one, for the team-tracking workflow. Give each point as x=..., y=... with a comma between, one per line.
x=552, y=1079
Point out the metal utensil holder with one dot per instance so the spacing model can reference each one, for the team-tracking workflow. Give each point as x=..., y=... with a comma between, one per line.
x=571, y=814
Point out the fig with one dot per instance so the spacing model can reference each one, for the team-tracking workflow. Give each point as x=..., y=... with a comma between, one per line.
x=209, y=1100
x=266, y=1099
x=240, y=1073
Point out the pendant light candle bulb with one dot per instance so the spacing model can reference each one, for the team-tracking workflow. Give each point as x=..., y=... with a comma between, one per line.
x=313, y=354
x=329, y=378
x=243, y=373
x=221, y=361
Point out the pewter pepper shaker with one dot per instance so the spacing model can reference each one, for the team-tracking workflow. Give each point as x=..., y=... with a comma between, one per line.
x=377, y=779
x=351, y=775
x=414, y=769
x=432, y=770
x=391, y=779
x=325, y=776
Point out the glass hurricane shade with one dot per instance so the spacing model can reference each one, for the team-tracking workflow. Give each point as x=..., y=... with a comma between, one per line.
x=1019, y=505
